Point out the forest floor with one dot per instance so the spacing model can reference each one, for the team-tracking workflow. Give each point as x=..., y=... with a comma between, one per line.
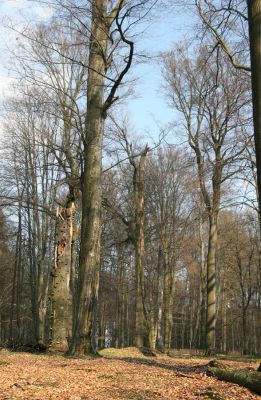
x=118, y=374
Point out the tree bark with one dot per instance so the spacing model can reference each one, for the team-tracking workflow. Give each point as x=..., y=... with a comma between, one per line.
x=167, y=301
x=211, y=285
x=224, y=322
x=248, y=379
x=91, y=183
x=119, y=334
x=138, y=183
x=254, y=21
x=61, y=327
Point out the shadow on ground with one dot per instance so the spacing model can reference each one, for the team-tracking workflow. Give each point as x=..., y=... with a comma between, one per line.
x=178, y=368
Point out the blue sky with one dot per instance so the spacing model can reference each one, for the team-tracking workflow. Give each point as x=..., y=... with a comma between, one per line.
x=148, y=108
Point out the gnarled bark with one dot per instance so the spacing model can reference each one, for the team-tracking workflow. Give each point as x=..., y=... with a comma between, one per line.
x=61, y=320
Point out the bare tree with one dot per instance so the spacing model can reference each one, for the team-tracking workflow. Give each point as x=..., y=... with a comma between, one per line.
x=201, y=90
x=110, y=23
x=135, y=226
x=227, y=21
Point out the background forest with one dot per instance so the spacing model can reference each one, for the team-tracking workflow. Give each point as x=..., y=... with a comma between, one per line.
x=114, y=239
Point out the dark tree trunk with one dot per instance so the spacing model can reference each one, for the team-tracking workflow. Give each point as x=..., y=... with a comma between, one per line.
x=254, y=21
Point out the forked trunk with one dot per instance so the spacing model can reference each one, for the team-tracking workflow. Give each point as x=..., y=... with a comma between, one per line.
x=91, y=185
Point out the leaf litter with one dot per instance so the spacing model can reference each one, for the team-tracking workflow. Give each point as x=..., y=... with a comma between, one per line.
x=43, y=377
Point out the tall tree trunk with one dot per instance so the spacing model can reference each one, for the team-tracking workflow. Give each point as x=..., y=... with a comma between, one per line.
x=211, y=285
x=119, y=340
x=91, y=184
x=244, y=329
x=160, y=299
x=169, y=271
x=224, y=322
x=254, y=21
x=138, y=182
x=101, y=335
x=167, y=309
x=73, y=271
x=200, y=313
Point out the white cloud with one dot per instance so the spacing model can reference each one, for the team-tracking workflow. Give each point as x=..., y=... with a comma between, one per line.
x=42, y=12
x=13, y=6
x=18, y=8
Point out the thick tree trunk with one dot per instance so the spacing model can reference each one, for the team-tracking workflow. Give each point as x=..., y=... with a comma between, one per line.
x=91, y=184
x=202, y=336
x=254, y=21
x=211, y=286
x=61, y=325
x=73, y=272
x=199, y=337
x=152, y=334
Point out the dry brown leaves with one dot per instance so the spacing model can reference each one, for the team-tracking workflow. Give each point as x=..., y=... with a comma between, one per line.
x=43, y=377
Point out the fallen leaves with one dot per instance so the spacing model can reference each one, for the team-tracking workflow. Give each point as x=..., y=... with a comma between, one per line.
x=42, y=377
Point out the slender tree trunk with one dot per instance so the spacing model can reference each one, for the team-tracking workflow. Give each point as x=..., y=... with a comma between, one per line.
x=244, y=328
x=14, y=283
x=224, y=322
x=138, y=182
x=169, y=271
x=120, y=306
x=167, y=309
x=160, y=299
x=42, y=303
x=101, y=336
x=254, y=21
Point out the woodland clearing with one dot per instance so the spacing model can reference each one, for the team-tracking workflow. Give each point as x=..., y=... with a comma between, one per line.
x=118, y=374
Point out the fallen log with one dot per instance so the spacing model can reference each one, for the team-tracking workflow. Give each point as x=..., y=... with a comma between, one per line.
x=246, y=378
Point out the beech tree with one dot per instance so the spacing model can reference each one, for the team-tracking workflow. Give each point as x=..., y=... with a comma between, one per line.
x=202, y=92
x=161, y=255
x=135, y=226
x=167, y=193
x=58, y=88
x=227, y=22
x=110, y=22
x=31, y=188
